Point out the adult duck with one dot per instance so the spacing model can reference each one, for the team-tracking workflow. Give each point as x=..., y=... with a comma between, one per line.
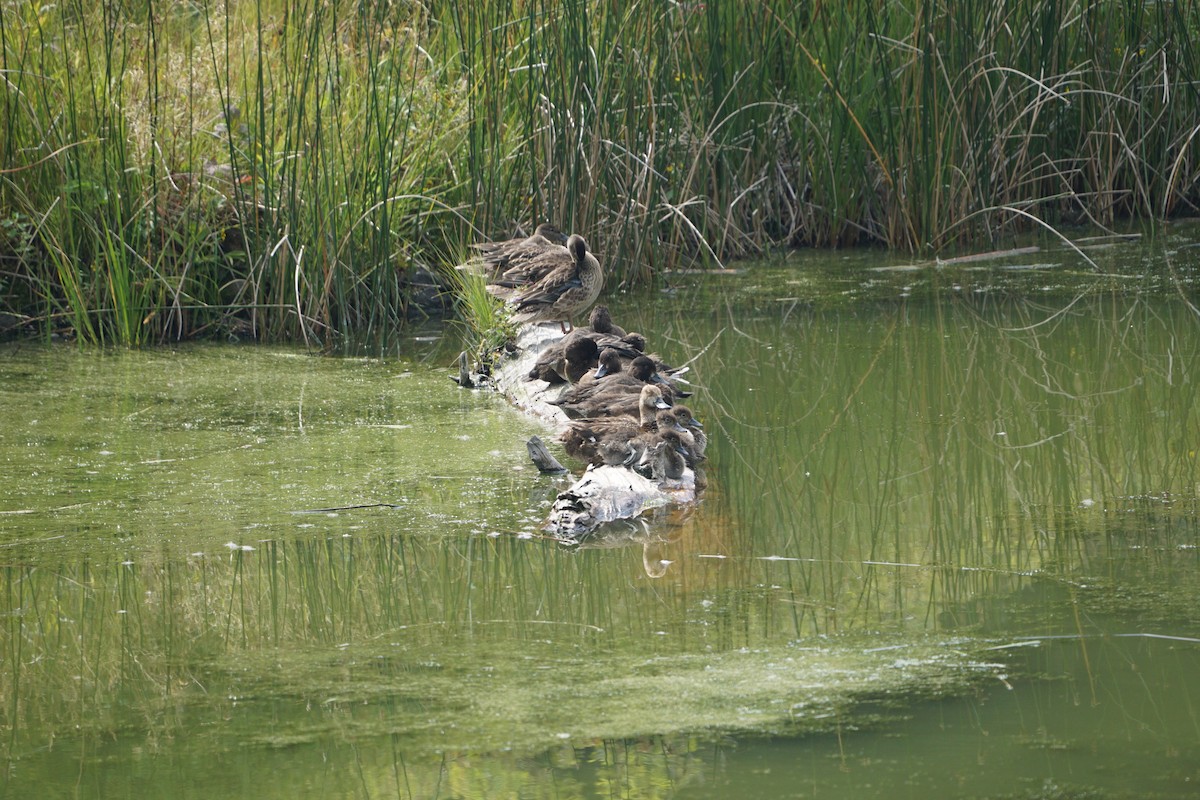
x=499, y=257
x=533, y=265
x=572, y=286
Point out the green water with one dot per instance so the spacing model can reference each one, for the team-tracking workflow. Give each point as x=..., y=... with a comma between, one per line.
x=948, y=549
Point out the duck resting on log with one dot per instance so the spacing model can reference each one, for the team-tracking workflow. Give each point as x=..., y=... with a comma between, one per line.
x=614, y=406
x=555, y=286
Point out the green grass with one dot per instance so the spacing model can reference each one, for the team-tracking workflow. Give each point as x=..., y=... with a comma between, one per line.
x=281, y=168
x=488, y=324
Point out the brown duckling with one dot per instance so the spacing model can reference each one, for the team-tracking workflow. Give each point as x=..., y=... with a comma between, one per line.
x=621, y=344
x=607, y=440
x=695, y=440
x=631, y=345
x=663, y=458
x=600, y=321
x=566, y=361
x=613, y=394
x=608, y=363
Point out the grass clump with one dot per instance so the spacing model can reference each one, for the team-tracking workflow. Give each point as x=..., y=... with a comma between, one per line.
x=489, y=327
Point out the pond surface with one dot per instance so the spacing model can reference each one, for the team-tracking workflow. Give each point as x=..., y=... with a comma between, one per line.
x=949, y=548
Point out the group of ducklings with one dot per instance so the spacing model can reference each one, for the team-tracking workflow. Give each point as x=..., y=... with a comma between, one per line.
x=621, y=399
x=624, y=402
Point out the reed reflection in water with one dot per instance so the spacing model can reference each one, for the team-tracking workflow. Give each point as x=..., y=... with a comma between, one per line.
x=902, y=476
x=891, y=464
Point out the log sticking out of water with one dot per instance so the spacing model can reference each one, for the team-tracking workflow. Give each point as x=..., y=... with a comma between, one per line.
x=542, y=457
x=464, y=378
x=603, y=494
x=606, y=494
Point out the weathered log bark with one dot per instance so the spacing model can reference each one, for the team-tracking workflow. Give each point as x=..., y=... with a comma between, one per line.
x=542, y=458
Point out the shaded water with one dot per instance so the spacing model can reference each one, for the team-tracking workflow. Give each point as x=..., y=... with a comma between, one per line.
x=949, y=548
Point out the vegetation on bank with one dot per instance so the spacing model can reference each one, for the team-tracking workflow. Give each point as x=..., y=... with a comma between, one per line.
x=289, y=169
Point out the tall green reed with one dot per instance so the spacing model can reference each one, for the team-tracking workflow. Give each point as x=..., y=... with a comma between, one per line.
x=915, y=457
x=280, y=168
x=696, y=131
x=274, y=169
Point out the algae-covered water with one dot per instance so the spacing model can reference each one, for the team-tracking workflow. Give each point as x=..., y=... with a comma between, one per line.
x=948, y=549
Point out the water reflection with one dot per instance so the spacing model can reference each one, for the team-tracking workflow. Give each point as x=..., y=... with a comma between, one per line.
x=895, y=487
x=664, y=535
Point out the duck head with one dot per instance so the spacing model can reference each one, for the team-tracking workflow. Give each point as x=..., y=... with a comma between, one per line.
x=684, y=416
x=651, y=401
x=610, y=361
x=667, y=420
x=643, y=369
x=581, y=350
x=578, y=248
x=600, y=320
x=636, y=341
x=550, y=232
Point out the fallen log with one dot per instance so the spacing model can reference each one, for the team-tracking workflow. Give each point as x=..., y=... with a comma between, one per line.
x=602, y=494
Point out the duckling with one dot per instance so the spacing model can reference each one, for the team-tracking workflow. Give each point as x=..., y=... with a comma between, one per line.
x=622, y=344
x=571, y=287
x=566, y=361
x=695, y=440
x=629, y=346
x=607, y=363
x=648, y=436
x=499, y=257
x=664, y=458
x=636, y=341
x=613, y=452
x=607, y=440
x=600, y=321
x=611, y=395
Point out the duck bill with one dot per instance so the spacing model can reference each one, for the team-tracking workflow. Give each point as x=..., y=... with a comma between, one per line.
x=660, y=403
x=601, y=371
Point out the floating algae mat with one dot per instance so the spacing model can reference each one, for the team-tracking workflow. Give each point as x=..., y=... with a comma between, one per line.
x=498, y=697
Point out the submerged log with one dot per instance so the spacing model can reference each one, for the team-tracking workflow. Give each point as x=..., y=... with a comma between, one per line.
x=607, y=494
x=603, y=494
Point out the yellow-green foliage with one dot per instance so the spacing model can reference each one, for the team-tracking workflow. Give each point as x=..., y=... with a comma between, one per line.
x=488, y=323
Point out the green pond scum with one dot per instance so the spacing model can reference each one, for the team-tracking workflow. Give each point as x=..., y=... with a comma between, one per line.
x=948, y=549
